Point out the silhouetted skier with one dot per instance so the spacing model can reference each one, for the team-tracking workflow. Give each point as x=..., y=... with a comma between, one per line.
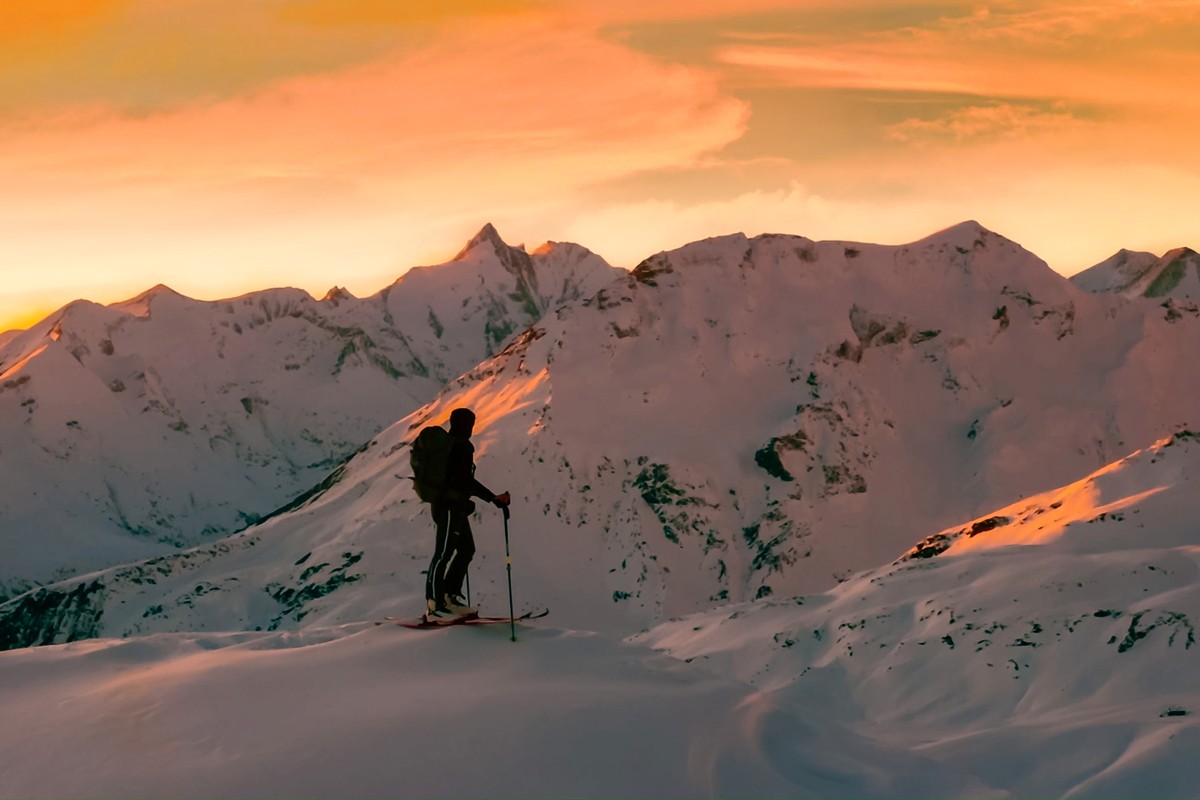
x=451, y=509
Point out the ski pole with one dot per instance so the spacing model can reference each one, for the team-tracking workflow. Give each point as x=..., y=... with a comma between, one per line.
x=512, y=621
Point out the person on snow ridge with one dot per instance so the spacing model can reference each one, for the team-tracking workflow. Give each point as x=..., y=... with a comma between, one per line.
x=455, y=545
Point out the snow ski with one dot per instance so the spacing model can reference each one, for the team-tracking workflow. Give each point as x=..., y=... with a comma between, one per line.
x=467, y=619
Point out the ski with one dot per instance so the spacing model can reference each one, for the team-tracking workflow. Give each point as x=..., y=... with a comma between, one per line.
x=422, y=623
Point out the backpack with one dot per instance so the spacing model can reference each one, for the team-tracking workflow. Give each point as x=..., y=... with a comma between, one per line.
x=429, y=456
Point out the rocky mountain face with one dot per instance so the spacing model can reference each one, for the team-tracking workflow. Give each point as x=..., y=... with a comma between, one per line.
x=130, y=430
x=737, y=420
x=1174, y=276
x=754, y=417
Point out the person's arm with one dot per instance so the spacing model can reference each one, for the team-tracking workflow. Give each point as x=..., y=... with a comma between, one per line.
x=477, y=489
x=501, y=500
x=462, y=480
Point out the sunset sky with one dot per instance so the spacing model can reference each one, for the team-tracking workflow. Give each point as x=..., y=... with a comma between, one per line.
x=223, y=146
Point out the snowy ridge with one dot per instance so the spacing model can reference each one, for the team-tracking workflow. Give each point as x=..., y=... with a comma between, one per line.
x=1160, y=493
x=738, y=419
x=133, y=429
x=1174, y=275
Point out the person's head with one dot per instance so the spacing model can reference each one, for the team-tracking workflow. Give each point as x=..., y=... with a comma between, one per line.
x=462, y=422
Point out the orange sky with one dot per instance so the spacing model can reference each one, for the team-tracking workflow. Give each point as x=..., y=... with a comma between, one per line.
x=222, y=146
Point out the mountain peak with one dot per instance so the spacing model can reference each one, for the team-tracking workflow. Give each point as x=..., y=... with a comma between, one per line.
x=336, y=295
x=548, y=247
x=1138, y=274
x=140, y=305
x=964, y=233
x=488, y=236
x=1177, y=253
x=154, y=292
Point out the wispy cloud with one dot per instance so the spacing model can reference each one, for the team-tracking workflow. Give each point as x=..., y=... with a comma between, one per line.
x=147, y=56
x=1102, y=52
x=471, y=99
x=986, y=123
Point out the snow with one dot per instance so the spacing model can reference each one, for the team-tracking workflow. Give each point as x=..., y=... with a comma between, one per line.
x=131, y=430
x=812, y=519
x=1176, y=274
x=956, y=675
x=369, y=711
x=1057, y=662
x=741, y=418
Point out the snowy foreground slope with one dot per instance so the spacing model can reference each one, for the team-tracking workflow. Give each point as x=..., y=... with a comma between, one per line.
x=366, y=711
x=1050, y=647
x=1047, y=649
x=133, y=429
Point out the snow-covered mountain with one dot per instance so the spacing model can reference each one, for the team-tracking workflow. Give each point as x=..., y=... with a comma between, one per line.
x=1049, y=646
x=738, y=419
x=133, y=429
x=1174, y=275
x=734, y=432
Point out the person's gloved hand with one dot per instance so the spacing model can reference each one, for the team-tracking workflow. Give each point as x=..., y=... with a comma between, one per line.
x=502, y=500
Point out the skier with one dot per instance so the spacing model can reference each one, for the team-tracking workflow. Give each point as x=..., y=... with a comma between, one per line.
x=455, y=546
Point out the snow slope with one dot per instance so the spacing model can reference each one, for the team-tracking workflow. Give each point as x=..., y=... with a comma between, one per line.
x=1174, y=275
x=1048, y=647
x=387, y=712
x=1046, y=651
x=133, y=429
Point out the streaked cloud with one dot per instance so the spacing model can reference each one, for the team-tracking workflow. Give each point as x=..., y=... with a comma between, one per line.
x=986, y=122
x=373, y=13
x=144, y=56
x=471, y=101
x=1110, y=52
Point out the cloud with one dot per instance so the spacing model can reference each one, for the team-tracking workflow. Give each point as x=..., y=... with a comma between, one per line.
x=146, y=56
x=852, y=66
x=1111, y=52
x=504, y=101
x=142, y=57
x=356, y=13
x=985, y=123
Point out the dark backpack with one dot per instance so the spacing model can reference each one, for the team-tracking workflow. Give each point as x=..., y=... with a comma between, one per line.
x=429, y=456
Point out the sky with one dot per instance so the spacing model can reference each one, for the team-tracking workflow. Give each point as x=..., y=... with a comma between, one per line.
x=226, y=146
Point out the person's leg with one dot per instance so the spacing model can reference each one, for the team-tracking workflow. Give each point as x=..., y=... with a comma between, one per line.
x=435, y=585
x=464, y=550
